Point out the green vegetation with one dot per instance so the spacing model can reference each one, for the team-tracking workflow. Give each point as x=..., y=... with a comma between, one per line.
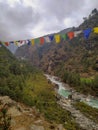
x=13, y=74
x=41, y=94
x=78, y=55
x=88, y=111
x=81, y=62
x=25, y=83
x=84, y=85
x=5, y=119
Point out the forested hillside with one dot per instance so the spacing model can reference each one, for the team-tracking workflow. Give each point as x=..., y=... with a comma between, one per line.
x=13, y=74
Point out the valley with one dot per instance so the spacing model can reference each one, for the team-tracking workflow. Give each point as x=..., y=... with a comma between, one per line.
x=51, y=86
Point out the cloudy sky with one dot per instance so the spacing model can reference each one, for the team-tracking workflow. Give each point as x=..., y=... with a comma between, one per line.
x=25, y=19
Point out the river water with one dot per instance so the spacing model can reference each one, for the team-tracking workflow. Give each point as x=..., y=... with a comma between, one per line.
x=65, y=92
x=61, y=90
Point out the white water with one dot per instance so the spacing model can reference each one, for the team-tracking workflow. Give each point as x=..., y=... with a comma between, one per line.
x=92, y=102
x=62, y=90
x=53, y=80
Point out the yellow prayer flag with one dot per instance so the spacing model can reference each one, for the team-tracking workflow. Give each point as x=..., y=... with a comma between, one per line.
x=96, y=30
x=32, y=41
x=57, y=38
x=16, y=43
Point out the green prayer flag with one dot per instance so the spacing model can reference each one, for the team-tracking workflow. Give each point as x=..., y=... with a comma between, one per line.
x=64, y=36
x=37, y=41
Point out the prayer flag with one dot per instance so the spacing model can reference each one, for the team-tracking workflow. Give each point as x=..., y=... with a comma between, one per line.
x=32, y=42
x=76, y=33
x=96, y=30
x=11, y=42
x=16, y=43
x=7, y=43
x=87, y=33
x=41, y=41
x=64, y=36
x=70, y=35
x=51, y=37
x=57, y=38
x=21, y=41
x=28, y=42
x=37, y=40
x=47, y=39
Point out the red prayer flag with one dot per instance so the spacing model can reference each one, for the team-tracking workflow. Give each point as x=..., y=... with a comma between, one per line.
x=70, y=35
x=7, y=43
x=21, y=41
x=41, y=41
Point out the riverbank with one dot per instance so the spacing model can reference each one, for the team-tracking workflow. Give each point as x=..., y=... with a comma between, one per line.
x=67, y=103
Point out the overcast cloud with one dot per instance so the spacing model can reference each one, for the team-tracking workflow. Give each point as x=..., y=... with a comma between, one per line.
x=24, y=19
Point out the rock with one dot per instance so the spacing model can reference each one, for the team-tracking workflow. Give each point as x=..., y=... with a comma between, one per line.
x=6, y=100
x=13, y=122
x=60, y=127
x=57, y=78
x=52, y=127
x=23, y=116
x=13, y=111
x=19, y=107
x=38, y=122
x=49, y=81
x=35, y=127
x=70, y=96
x=21, y=128
x=58, y=97
x=56, y=86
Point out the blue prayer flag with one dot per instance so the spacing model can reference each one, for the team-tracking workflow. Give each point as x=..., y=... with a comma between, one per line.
x=87, y=33
x=51, y=37
x=28, y=42
x=11, y=42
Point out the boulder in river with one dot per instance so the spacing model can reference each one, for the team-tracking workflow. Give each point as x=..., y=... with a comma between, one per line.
x=56, y=86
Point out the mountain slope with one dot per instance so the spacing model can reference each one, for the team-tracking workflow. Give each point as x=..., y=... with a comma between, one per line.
x=74, y=56
x=24, y=83
x=51, y=55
